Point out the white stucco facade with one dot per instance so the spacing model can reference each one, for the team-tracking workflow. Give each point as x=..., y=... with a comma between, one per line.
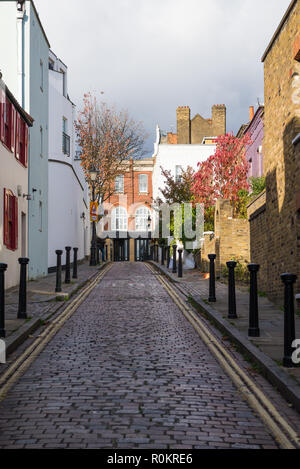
x=24, y=50
x=169, y=156
x=68, y=218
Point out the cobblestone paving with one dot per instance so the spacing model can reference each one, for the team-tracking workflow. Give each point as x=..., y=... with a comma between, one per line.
x=128, y=371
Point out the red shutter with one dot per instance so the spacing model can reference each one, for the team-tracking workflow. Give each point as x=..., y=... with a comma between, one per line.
x=26, y=144
x=2, y=108
x=12, y=127
x=17, y=139
x=15, y=223
x=5, y=217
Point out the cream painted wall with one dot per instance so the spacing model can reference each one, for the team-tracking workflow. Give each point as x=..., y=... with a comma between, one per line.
x=12, y=174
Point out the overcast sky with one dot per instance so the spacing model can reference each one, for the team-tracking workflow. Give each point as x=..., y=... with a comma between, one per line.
x=150, y=56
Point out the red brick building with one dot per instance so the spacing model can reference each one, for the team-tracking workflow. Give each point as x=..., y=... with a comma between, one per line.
x=128, y=220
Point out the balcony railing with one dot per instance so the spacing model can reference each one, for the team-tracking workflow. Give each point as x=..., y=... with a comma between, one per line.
x=66, y=144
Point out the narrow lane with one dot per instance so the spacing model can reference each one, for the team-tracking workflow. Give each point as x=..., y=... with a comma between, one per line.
x=127, y=370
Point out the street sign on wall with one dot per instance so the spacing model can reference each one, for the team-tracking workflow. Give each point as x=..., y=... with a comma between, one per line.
x=94, y=211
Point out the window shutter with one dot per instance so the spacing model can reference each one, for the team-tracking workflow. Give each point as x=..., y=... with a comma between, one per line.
x=16, y=223
x=2, y=109
x=5, y=217
x=26, y=144
x=12, y=128
x=17, y=139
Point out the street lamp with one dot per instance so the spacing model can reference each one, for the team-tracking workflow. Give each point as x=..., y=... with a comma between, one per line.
x=93, y=260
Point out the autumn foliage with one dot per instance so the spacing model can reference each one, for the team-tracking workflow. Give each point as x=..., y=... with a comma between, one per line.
x=224, y=174
x=177, y=190
x=108, y=138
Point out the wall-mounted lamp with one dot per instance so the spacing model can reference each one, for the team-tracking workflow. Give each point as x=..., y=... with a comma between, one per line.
x=20, y=5
x=28, y=196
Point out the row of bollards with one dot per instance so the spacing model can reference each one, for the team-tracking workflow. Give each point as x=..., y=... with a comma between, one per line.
x=22, y=305
x=68, y=267
x=253, y=330
x=23, y=261
x=166, y=256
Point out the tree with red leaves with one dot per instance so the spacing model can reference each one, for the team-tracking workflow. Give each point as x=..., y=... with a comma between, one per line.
x=224, y=174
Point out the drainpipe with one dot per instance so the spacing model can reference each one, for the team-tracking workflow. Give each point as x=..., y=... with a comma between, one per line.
x=20, y=36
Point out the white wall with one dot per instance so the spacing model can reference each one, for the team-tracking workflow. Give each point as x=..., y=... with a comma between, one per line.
x=66, y=227
x=66, y=182
x=34, y=47
x=169, y=156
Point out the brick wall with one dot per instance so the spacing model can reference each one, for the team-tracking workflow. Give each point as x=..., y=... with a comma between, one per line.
x=183, y=125
x=193, y=131
x=275, y=232
x=230, y=240
x=259, y=238
x=219, y=119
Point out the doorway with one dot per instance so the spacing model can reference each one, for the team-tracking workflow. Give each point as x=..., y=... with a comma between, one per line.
x=121, y=250
x=142, y=249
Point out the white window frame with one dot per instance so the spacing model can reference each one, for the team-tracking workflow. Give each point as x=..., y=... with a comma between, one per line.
x=141, y=219
x=119, y=184
x=119, y=219
x=178, y=172
x=143, y=183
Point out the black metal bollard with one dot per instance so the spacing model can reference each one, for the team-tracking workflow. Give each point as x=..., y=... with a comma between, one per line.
x=68, y=265
x=75, y=263
x=253, y=330
x=174, y=269
x=58, y=271
x=231, y=290
x=168, y=256
x=212, y=278
x=180, y=262
x=162, y=254
x=106, y=252
x=3, y=268
x=151, y=253
x=289, y=318
x=97, y=256
x=22, y=309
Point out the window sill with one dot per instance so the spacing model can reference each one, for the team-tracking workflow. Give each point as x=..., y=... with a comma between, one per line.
x=10, y=248
x=7, y=148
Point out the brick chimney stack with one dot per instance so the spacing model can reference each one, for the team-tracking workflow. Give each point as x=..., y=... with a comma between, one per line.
x=183, y=124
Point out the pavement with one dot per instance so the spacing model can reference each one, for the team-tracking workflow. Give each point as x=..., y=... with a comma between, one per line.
x=127, y=370
x=266, y=350
x=42, y=302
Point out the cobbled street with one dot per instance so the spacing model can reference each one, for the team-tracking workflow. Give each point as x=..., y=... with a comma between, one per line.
x=128, y=371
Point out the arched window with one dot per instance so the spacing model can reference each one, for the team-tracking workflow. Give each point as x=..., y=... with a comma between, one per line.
x=141, y=219
x=119, y=219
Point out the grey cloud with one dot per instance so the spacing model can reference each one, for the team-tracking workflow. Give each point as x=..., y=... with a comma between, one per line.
x=150, y=56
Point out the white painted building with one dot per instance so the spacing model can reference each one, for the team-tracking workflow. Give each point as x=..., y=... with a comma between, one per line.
x=175, y=158
x=68, y=215
x=24, y=51
x=14, y=124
